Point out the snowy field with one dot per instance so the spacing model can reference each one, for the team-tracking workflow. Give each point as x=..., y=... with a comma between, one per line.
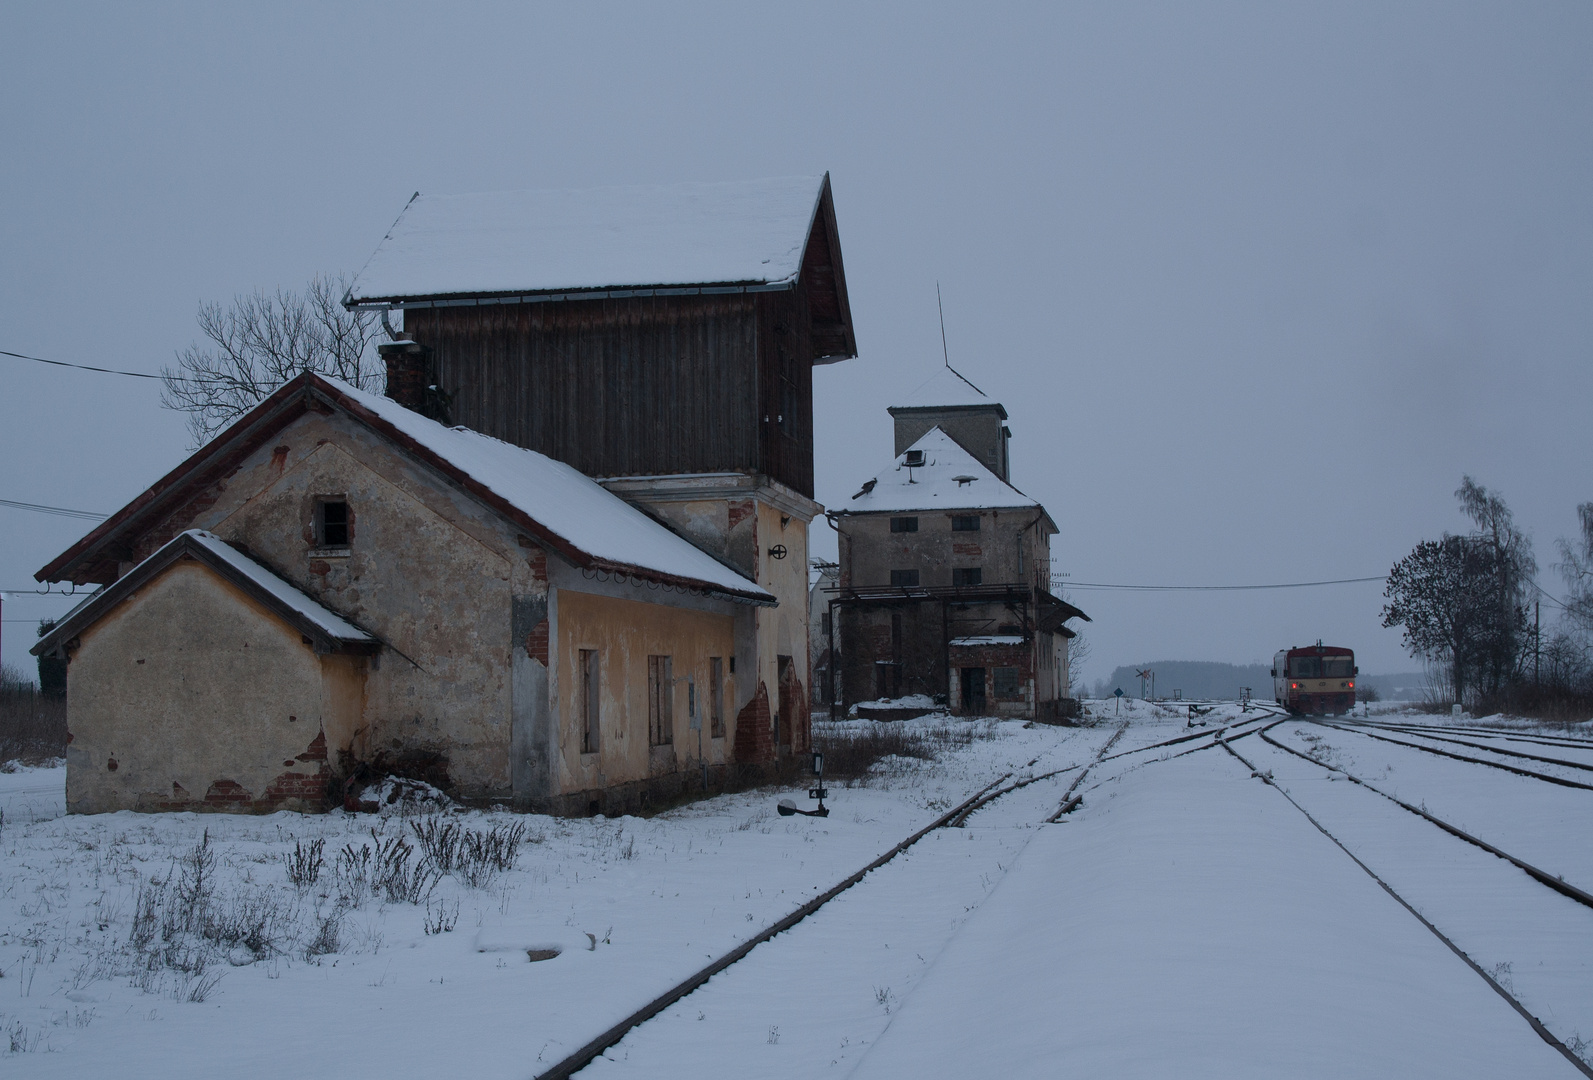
x=1184, y=920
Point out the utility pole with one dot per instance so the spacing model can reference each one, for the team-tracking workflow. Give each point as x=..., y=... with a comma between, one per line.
x=1537, y=637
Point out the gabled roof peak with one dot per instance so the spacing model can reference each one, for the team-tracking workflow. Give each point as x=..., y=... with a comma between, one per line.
x=566, y=510
x=947, y=388
x=950, y=478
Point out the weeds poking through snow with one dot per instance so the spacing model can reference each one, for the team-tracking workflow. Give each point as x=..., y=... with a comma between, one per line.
x=22, y=1039
x=328, y=935
x=441, y=918
x=304, y=864
x=884, y=998
x=474, y=857
x=774, y=1035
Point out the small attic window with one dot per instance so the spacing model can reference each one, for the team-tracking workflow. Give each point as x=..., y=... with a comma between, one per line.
x=964, y=481
x=913, y=459
x=331, y=523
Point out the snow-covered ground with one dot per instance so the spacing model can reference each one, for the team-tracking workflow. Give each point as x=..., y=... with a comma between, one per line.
x=1185, y=920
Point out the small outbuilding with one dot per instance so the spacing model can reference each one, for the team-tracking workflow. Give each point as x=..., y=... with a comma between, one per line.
x=337, y=584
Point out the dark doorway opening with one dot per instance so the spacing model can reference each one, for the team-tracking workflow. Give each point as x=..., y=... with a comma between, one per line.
x=973, y=690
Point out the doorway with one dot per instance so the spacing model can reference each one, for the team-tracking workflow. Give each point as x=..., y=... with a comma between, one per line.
x=973, y=691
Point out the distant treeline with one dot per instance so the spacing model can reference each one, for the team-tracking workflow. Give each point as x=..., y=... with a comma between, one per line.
x=1207, y=679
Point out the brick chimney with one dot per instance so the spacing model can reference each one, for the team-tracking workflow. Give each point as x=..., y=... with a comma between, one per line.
x=408, y=372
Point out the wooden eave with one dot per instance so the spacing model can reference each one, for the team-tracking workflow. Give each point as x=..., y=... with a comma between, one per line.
x=829, y=308
x=184, y=548
x=95, y=559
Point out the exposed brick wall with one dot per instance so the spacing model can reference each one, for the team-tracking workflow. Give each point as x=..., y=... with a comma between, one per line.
x=740, y=511
x=227, y=794
x=536, y=642
x=754, y=743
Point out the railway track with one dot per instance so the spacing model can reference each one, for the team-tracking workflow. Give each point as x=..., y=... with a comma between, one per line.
x=1448, y=737
x=1563, y=741
x=1537, y=1025
x=957, y=816
x=1518, y=770
x=1543, y=877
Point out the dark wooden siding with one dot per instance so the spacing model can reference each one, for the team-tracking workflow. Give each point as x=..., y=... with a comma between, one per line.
x=786, y=385
x=636, y=386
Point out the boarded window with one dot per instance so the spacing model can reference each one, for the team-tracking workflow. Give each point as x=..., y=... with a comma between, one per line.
x=906, y=579
x=904, y=524
x=1004, y=681
x=331, y=523
x=661, y=700
x=965, y=523
x=590, y=688
x=716, y=697
x=967, y=575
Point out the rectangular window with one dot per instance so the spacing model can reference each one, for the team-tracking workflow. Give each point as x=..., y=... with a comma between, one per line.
x=590, y=688
x=716, y=697
x=904, y=524
x=331, y=523
x=1005, y=682
x=824, y=623
x=904, y=579
x=967, y=575
x=965, y=523
x=661, y=700
x=1305, y=667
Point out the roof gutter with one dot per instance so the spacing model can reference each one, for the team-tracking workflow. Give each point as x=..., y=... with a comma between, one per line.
x=444, y=300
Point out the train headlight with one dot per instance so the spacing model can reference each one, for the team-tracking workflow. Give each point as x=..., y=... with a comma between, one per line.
x=1352, y=686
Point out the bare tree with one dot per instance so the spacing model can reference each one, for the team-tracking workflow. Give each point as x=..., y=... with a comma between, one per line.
x=1513, y=569
x=260, y=342
x=1576, y=564
x=1078, y=653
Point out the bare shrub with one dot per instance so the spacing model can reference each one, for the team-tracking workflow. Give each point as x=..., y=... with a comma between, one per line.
x=440, y=841
x=473, y=856
x=442, y=917
x=854, y=748
x=32, y=724
x=304, y=864
x=328, y=934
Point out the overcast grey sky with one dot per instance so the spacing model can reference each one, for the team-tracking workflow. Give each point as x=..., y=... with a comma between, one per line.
x=1257, y=283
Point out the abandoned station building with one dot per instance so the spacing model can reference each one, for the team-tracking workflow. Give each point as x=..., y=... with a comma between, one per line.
x=943, y=587
x=560, y=565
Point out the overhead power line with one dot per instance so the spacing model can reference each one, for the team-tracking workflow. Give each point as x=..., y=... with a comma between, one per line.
x=1069, y=583
x=84, y=367
x=39, y=508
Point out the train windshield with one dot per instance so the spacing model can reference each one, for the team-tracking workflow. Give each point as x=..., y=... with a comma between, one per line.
x=1304, y=667
x=1338, y=667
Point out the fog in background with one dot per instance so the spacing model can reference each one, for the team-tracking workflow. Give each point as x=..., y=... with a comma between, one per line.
x=1257, y=283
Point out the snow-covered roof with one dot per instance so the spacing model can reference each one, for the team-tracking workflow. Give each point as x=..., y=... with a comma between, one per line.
x=285, y=593
x=563, y=501
x=950, y=479
x=987, y=639
x=946, y=388
x=305, y=613
x=572, y=514
x=750, y=233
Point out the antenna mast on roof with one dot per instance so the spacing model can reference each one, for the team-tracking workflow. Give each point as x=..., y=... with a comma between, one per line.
x=944, y=352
